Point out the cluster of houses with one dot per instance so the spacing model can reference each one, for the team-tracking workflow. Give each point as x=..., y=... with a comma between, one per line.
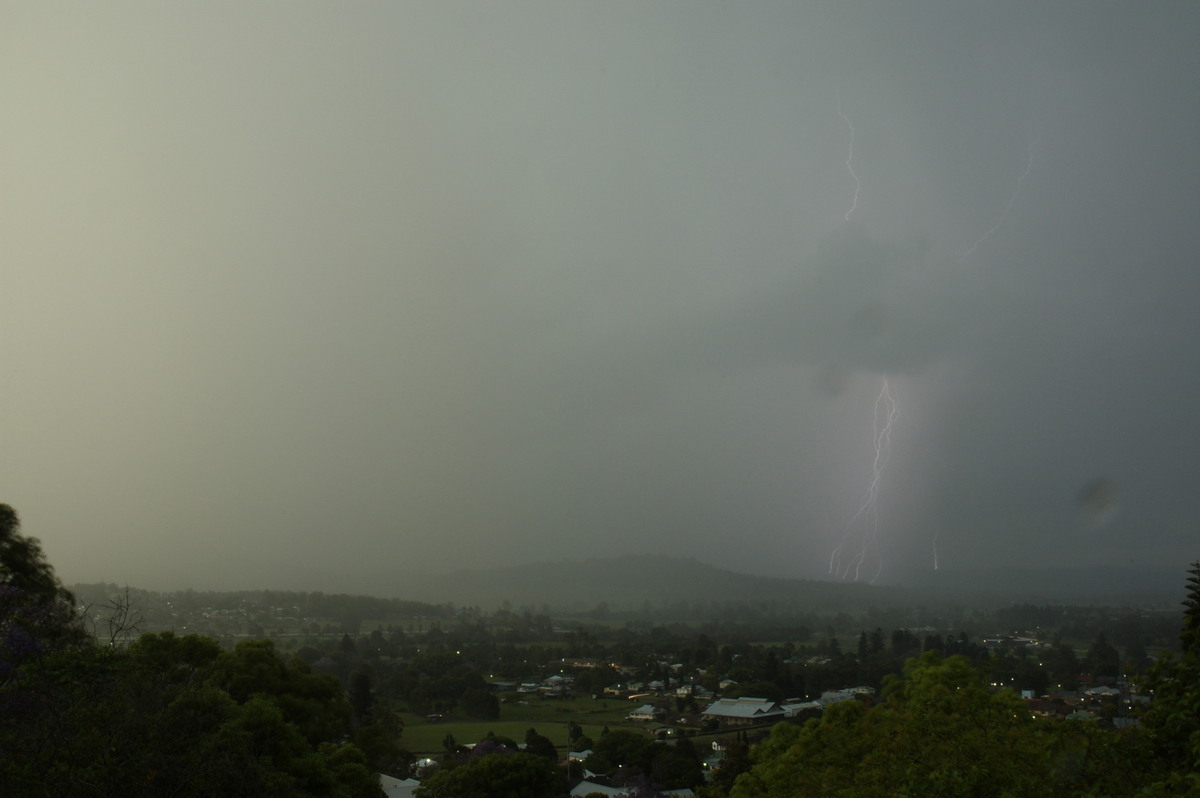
x=725, y=711
x=1109, y=703
x=1104, y=701
x=757, y=711
x=747, y=711
x=551, y=687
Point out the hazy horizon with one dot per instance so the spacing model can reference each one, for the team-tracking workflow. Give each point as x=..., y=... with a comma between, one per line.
x=629, y=581
x=303, y=288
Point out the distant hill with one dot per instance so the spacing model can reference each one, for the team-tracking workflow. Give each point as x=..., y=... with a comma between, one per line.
x=626, y=582
x=685, y=589
x=631, y=582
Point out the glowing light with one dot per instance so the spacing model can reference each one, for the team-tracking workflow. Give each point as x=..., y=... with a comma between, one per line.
x=867, y=536
x=850, y=161
x=1008, y=206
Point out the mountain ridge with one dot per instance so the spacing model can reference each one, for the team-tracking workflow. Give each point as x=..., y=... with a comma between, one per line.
x=632, y=581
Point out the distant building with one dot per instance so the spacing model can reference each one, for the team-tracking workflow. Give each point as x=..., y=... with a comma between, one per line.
x=797, y=708
x=397, y=788
x=647, y=712
x=845, y=694
x=590, y=787
x=744, y=711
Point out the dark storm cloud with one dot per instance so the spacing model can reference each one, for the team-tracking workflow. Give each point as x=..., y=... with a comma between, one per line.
x=452, y=285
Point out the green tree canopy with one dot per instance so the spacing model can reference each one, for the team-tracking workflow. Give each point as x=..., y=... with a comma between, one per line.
x=23, y=565
x=615, y=749
x=1174, y=716
x=941, y=732
x=168, y=715
x=541, y=745
x=497, y=775
x=480, y=702
x=314, y=702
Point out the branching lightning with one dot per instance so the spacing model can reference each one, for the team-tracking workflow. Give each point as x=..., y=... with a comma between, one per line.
x=867, y=538
x=859, y=552
x=850, y=161
x=1008, y=206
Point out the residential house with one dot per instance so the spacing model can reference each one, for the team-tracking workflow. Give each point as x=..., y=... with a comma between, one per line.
x=647, y=712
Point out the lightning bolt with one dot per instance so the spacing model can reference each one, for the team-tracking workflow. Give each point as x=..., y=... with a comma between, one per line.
x=1007, y=206
x=865, y=539
x=868, y=540
x=884, y=416
x=850, y=161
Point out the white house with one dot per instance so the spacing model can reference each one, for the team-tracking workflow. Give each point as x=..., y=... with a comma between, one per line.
x=647, y=712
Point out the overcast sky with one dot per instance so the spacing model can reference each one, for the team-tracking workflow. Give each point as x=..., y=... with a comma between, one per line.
x=293, y=293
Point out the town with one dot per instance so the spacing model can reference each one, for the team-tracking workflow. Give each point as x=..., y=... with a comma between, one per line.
x=434, y=682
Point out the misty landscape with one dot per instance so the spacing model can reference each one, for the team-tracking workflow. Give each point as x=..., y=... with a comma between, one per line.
x=539, y=399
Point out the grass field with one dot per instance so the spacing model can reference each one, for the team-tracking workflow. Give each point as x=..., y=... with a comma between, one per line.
x=427, y=737
x=549, y=717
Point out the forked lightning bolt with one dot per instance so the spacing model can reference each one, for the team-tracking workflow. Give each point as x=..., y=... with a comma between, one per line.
x=859, y=547
x=867, y=538
x=884, y=416
x=850, y=162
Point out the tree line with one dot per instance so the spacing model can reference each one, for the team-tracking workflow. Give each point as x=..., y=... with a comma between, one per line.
x=96, y=710
x=942, y=730
x=165, y=714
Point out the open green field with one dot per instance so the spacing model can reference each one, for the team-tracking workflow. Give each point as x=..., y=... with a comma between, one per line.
x=422, y=737
x=426, y=738
x=562, y=710
x=549, y=717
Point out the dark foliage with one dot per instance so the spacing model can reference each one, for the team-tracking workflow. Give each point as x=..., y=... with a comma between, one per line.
x=167, y=715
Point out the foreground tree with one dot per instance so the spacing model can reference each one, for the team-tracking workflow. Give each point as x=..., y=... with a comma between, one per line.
x=1174, y=716
x=168, y=715
x=941, y=732
x=498, y=774
x=23, y=565
x=37, y=614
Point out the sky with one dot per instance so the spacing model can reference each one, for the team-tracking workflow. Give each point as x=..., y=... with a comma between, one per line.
x=296, y=294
